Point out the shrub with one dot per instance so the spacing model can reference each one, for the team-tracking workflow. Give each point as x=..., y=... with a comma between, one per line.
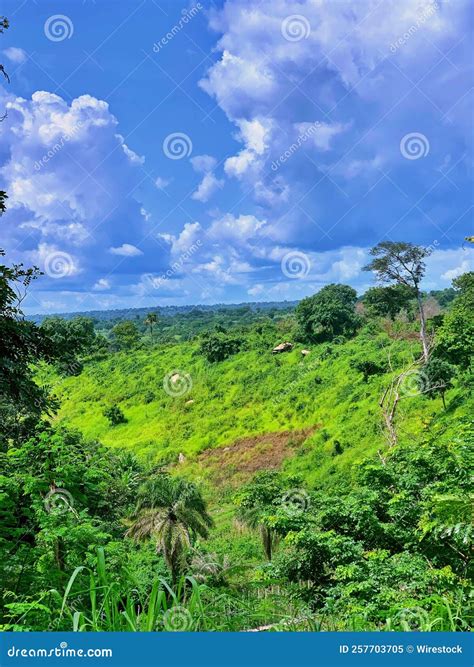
x=149, y=397
x=219, y=346
x=368, y=368
x=115, y=415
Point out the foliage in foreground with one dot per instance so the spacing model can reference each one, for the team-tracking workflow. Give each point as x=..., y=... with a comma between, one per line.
x=365, y=537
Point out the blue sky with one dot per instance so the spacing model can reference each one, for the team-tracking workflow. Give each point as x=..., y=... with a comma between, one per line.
x=168, y=152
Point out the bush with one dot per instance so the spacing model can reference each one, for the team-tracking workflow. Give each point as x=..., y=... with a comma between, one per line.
x=436, y=377
x=149, y=397
x=219, y=346
x=368, y=368
x=115, y=415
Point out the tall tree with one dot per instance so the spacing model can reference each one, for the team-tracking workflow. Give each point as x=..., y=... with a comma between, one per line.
x=329, y=313
x=388, y=301
x=150, y=320
x=22, y=343
x=256, y=501
x=455, y=337
x=402, y=263
x=171, y=511
x=126, y=334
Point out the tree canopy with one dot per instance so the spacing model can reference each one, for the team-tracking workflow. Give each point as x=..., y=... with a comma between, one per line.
x=328, y=313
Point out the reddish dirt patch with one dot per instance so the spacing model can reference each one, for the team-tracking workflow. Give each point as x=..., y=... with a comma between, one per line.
x=246, y=456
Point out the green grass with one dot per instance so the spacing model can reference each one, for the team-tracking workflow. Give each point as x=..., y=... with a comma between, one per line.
x=252, y=393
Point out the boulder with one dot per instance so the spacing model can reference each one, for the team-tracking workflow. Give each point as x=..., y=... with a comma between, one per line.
x=181, y=458
x=282, y=347
x=190, y=402
x=304, y=352
x=175, y=377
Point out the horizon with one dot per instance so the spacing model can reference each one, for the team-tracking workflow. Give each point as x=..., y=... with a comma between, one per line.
x=199, y=305
x=233, y=151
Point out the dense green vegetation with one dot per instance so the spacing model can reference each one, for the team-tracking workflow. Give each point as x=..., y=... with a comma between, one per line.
x=162, y=482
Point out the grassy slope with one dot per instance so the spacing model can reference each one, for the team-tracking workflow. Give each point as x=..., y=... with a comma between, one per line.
x=251, y=393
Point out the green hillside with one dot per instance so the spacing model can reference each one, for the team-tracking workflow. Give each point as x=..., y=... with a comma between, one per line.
x=213, y=484
x=253, y=393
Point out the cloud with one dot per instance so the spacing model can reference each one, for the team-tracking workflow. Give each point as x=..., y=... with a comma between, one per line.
x=317, y=124
x=255, y=135
x=344, y=77
x=132, y=156
x=162, y=183
x=464, y=267
x=207, y=187
x=61, y=165
x=15, y=55
x=323, y=134
x=203, y=163
x=102, y=284
x=240, y=230
x=358, y=168
x=146, y=215
x=189, y=236
x=70, y=178
x=126, y=250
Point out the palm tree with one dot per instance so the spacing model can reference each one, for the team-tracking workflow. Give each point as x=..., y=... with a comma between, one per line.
x=214, y=568
x=150, y=320
x=171, y=511
x=254, y=519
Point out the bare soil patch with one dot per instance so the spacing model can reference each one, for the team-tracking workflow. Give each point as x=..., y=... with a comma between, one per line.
x=246, y=456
